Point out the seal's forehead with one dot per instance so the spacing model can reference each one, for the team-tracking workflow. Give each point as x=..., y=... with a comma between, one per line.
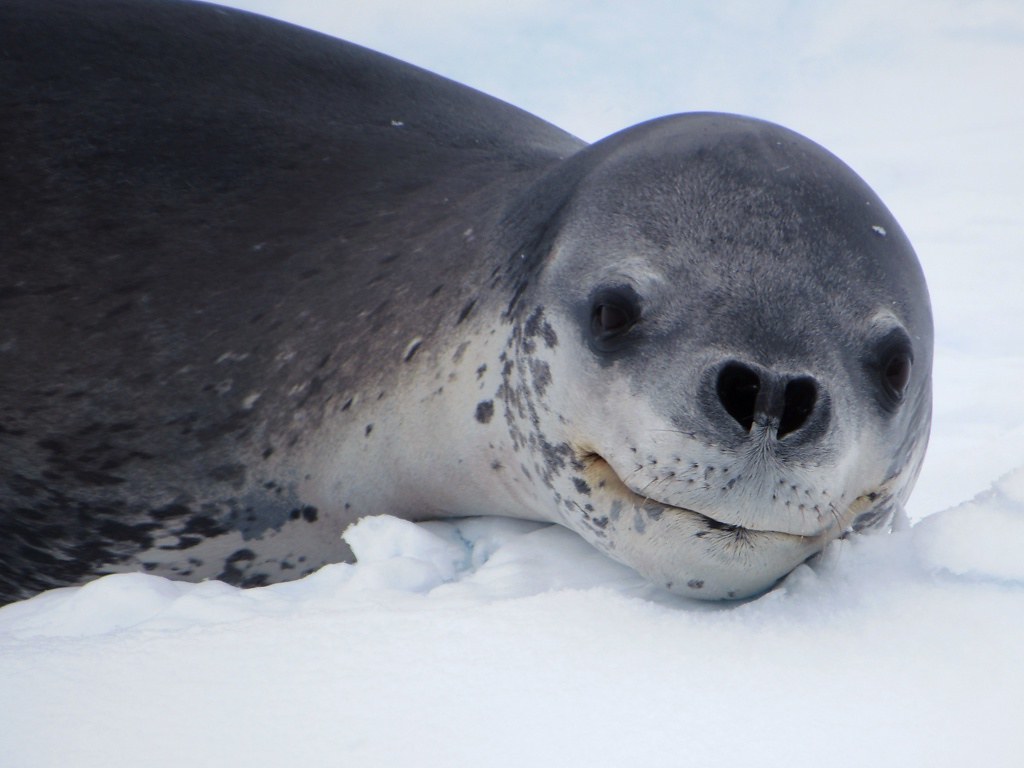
x=720, y=170
x=729, y=142
x=735, y=186
x=746, y=215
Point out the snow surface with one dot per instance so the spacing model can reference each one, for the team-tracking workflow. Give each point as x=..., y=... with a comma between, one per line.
x=505, y=643
x=491, y=642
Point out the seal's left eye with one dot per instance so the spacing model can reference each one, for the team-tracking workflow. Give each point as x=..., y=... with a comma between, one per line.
x=611, y=318
x=613, y=311
x=897, y=373
x=893, y=363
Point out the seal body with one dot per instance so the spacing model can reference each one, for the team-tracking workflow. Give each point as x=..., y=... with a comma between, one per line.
x=258, y=283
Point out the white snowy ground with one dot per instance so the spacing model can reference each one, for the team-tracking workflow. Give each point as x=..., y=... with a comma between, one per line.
x=492, y=642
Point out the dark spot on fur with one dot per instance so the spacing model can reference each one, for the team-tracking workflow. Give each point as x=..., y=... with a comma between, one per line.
x=369, y=429
x=235, y=566
x=496, y=465
x=581, y=485
x=616, y=510
x=229, y=473
x=541, y=373
x=484, y=411
x=254, y=580
x=695, y=584
x=537, y=327
x=481, y=371
x=532, y=327
x=184, y=542
x=203, y=525
x=139, y=533
x=465, y=311
x=347, y=405
x=170, y=512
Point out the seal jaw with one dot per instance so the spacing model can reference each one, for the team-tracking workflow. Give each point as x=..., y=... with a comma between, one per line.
x=693, y=553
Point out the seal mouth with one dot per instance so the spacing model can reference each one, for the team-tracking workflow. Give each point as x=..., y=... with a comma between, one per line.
x=602, y=475
x=692, y=553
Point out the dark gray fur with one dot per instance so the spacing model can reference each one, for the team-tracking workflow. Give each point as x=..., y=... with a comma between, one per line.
x=180, y=180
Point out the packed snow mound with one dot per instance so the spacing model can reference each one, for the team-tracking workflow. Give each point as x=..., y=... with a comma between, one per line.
x=502, y=642
x=982, y=538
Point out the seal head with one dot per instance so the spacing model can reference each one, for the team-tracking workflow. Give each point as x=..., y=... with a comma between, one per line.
x=744, y=352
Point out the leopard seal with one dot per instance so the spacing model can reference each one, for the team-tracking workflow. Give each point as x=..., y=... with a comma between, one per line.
x=258, y=283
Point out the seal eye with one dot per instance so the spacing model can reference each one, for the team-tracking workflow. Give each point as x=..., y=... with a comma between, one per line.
x=613, y=311
x=893, y=363
x=896, y=374
x=611, y=319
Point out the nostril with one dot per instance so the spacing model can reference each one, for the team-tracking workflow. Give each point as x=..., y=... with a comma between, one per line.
x=749, y=394
x=738, y=387
x=800, y=397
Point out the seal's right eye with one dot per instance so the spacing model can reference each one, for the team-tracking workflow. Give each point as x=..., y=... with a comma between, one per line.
x=613, y=311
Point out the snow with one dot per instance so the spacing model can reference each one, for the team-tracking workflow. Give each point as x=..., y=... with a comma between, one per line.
x=496, y=642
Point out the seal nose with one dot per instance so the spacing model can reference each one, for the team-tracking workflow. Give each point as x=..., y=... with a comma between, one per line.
x=751, y=394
